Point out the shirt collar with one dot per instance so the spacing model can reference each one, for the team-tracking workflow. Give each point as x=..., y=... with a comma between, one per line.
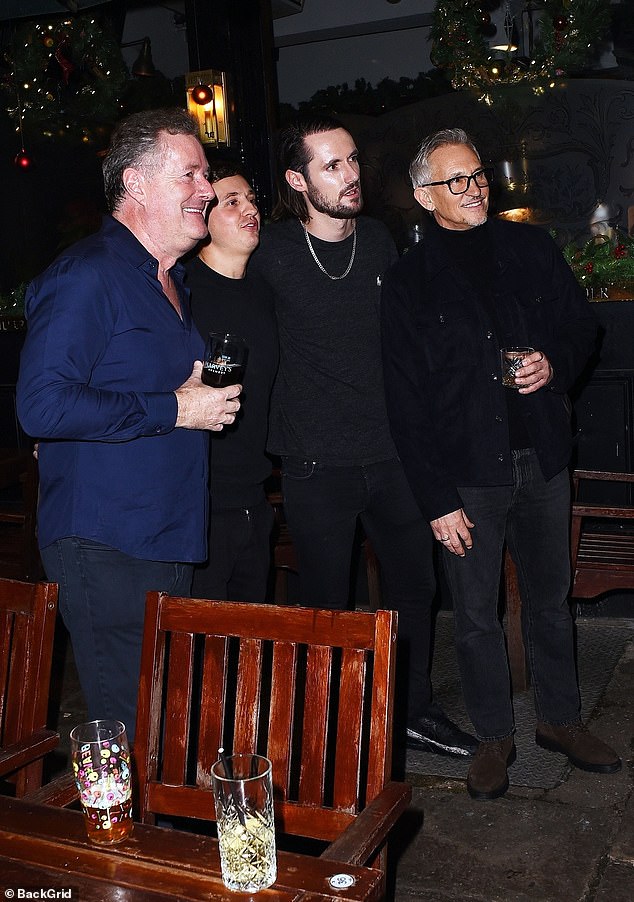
x=131, y=249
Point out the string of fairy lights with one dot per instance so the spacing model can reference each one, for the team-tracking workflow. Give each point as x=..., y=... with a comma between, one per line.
x=65, y=77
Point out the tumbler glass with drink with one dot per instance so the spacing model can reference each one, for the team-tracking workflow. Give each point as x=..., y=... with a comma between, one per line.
x=225, y=359
x=512, y=361
x=101, y=764
x=243, y=795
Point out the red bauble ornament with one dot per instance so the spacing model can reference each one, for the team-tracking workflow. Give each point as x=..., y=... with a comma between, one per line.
x=202, y=94
x=23, y=161
x=560, y=23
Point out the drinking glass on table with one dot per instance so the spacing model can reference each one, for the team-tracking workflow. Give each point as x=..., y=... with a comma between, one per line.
x=512, y=360
x=101, y=764
x=225, y=359
x=243, y=795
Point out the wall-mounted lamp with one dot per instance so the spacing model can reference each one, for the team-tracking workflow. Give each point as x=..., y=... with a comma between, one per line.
x=143, y=66
x=207, y=102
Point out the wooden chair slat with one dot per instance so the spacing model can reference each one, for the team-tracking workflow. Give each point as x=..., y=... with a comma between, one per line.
x=248, y=696
x=314, y=735
x=382, y=709
x=349, y=734
x=281, y=718
x=177, y=707
x=212, y=707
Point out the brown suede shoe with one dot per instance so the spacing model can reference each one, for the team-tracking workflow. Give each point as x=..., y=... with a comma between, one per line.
x=487, y=777
x=583, y=749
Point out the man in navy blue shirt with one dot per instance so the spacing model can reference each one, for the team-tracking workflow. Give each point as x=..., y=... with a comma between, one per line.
x=110, y=384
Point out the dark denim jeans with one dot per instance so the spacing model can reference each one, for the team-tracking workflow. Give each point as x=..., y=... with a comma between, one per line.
x=322, y=505
x=533, y=517
x=102, y=602
x=239, y=555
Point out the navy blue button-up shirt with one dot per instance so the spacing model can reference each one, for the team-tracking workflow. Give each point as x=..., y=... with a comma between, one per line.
x=103, y=354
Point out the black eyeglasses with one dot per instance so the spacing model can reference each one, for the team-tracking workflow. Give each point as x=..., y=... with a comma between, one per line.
x=459, y=184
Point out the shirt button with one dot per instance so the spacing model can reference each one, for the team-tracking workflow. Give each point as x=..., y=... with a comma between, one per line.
x=157, y=429
x=494, y=377
x=489, y=335
x=501, y=458
x=499, y=419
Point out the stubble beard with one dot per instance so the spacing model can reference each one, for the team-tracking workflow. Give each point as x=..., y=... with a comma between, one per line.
x=337, y=210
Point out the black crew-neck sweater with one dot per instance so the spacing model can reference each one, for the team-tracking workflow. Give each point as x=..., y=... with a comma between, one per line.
x=473, y=253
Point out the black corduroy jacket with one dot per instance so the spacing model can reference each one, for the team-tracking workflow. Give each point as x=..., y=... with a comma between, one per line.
x=441, y=359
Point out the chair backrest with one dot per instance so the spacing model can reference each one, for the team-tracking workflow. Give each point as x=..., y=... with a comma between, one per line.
x=27, y=630
x=602, y=539
x=310, y=689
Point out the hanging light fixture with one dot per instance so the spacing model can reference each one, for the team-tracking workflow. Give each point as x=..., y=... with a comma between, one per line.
x=143, y=66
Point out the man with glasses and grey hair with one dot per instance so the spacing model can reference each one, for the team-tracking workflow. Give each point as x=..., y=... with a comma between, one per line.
x=488, y=463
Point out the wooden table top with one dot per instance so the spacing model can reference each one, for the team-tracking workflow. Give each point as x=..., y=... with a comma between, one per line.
x=42, y=846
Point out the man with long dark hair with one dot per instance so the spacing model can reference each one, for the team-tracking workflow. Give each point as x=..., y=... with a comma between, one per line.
x=329, y=422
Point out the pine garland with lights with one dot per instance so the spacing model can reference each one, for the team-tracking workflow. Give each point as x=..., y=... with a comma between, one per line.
x=569, y=33
x=66, y=75
x=603, y=261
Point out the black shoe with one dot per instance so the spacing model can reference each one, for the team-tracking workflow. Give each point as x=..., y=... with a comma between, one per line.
x=434, y=732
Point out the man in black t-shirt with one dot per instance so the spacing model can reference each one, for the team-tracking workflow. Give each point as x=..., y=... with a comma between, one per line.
x=329, y=422
x=225, y=299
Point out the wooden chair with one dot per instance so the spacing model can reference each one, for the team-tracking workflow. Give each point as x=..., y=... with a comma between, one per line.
x=19, y=554
x=602, y=540
x=27, y=626
x=310, y=689
x=602, y=558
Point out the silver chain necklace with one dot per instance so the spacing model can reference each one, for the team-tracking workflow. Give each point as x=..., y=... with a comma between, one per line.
x=318, y=262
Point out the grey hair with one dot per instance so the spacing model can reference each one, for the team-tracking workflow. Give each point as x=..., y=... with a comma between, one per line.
x=138, y=140
x=420, y=170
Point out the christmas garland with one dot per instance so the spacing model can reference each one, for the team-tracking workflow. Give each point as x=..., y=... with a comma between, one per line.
x=66, y=75
x=567, y=34
x=603, y=261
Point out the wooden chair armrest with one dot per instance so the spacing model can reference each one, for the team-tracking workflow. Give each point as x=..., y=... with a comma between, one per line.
x=368, y=832
x=603, y=475
x=60, y=792
x=27, y=750
x=601, y=511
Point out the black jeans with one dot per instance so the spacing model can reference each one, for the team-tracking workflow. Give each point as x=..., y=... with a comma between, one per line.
x=239, y=555
x=102, y=602
x=532, y=515
x=322, y=505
